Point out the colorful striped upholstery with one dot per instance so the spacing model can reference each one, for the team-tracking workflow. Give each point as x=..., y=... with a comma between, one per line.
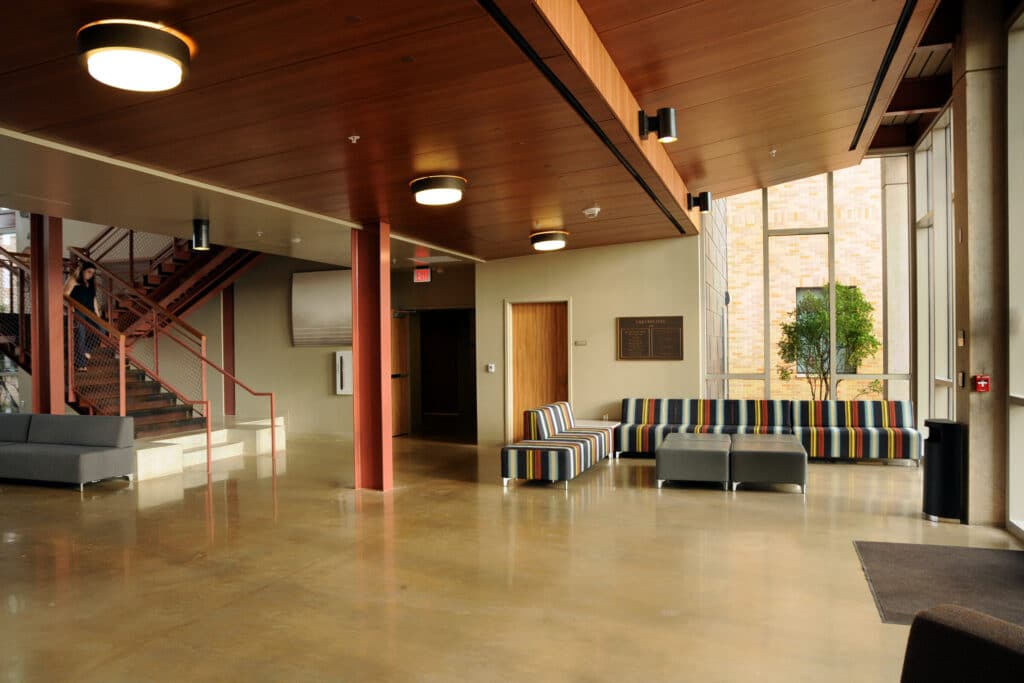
x=646, y=421
x=548, y=460
x=556, y=420
x=553, y=447
x=857, y=429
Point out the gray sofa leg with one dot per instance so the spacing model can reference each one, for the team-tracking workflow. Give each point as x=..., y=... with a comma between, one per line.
x=81, y=488
x=725, y=486
x=505, y=481
x=734, y=485
x=660, y=482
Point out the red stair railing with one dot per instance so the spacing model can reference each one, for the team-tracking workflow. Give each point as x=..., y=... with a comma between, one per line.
x=133, y=255
x=16, y=278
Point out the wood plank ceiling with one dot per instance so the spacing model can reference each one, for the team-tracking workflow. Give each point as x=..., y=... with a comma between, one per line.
x=278, y=88
x=747, y=77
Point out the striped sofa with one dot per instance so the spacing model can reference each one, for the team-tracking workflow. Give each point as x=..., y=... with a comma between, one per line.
x=858, y=430
x=553, y=447
x=646, y=421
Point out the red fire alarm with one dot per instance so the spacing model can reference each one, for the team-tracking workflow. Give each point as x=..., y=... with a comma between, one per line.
x=981, y=383
x=421, y=274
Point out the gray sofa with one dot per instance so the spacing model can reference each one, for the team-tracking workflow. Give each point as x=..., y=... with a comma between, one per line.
x=68, y=449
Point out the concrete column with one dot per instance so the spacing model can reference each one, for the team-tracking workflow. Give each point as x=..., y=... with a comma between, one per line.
x=371, y=357
x=47, y=321
x=980, y=211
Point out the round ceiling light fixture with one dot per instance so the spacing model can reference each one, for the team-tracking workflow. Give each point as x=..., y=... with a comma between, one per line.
x=438, y=190
x=549, y=240
x=143, y=56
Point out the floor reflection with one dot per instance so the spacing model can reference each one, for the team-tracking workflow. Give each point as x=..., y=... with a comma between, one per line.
x=276, y=569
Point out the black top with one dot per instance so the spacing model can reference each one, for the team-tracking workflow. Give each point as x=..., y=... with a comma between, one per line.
x=85, y=296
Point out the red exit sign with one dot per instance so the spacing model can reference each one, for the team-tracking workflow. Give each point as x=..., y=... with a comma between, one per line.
x=421, y=274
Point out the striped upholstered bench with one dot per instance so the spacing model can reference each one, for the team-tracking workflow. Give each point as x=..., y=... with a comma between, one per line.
x=554, y=448
x=857, y=430
x=647, y=421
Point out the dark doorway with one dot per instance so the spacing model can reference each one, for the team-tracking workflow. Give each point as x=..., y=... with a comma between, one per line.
x=447, y=404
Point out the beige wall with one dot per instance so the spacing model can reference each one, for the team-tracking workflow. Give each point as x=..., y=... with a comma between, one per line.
x=450, y=288
x=646, y=278
x=302, y=378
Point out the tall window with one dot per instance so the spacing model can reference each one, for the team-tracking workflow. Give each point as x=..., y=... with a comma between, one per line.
x=934, y=232
x=818, y=269
x=1015, y=139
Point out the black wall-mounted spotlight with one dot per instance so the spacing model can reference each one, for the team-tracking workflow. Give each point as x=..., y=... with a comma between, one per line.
x=663, y=125
x=200, y=234
x=701, y=201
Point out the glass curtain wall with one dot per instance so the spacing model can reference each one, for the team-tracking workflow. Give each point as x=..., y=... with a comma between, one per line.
x=797, y=253
x=934, y=234
x=1015, y=139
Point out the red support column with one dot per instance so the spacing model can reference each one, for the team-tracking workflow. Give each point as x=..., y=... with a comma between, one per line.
x=47, y=333
x=371, y=357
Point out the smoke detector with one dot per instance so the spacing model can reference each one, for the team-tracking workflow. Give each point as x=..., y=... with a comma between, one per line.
x=592, y=211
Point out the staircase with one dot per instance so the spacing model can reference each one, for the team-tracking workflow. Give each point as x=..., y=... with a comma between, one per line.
x=146, y=363
x=167, y=270
x=156, y=411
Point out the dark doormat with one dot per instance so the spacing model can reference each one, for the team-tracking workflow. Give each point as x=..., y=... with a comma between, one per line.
x=906, y=578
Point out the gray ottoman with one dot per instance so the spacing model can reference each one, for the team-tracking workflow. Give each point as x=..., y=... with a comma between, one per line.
x=693, y=457
x=768, y=459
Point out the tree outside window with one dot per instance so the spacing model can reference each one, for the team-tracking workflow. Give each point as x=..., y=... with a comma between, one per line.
x=804, y=347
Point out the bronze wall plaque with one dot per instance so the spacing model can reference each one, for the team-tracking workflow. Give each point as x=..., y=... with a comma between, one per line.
x=650, y=338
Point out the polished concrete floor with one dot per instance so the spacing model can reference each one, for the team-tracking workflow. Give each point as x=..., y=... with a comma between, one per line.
x=450, y=577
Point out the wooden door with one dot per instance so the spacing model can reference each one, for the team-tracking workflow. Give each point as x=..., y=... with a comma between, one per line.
x=540, y=357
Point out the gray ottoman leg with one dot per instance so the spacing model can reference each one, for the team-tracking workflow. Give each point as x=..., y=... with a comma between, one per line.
x=660, y=482
x=734, y=485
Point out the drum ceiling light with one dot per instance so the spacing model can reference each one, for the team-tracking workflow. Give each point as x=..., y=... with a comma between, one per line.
x=549, y=240
x=135, y=55
x=438, y=190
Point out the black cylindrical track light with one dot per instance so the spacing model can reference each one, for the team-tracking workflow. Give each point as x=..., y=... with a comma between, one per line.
x=701, y=201
x=200, y=234
x=663, y=125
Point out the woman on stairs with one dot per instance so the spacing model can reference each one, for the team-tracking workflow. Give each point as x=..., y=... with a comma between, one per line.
x=81, y=287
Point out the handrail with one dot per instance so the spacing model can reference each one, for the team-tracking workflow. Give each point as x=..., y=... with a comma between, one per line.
x=90, y=314
x=99, y=238
x=111, y=247
x=122, y=377
x=254, y=393
x=14, y=259
x=136, y=293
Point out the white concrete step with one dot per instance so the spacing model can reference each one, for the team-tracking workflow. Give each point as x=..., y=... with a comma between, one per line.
x=154, y=459
x=257, y=438
x=172, y=455
x=194, y=457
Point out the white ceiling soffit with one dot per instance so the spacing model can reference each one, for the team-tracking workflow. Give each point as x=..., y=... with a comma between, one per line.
x=45, y=177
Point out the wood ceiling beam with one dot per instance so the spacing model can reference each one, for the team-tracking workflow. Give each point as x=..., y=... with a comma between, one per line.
x=559, y=33
x=944, y=26
x=905, y=135
x=921, y=95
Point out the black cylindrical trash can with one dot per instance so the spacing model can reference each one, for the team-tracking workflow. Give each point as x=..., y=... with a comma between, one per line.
x=945, y=470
